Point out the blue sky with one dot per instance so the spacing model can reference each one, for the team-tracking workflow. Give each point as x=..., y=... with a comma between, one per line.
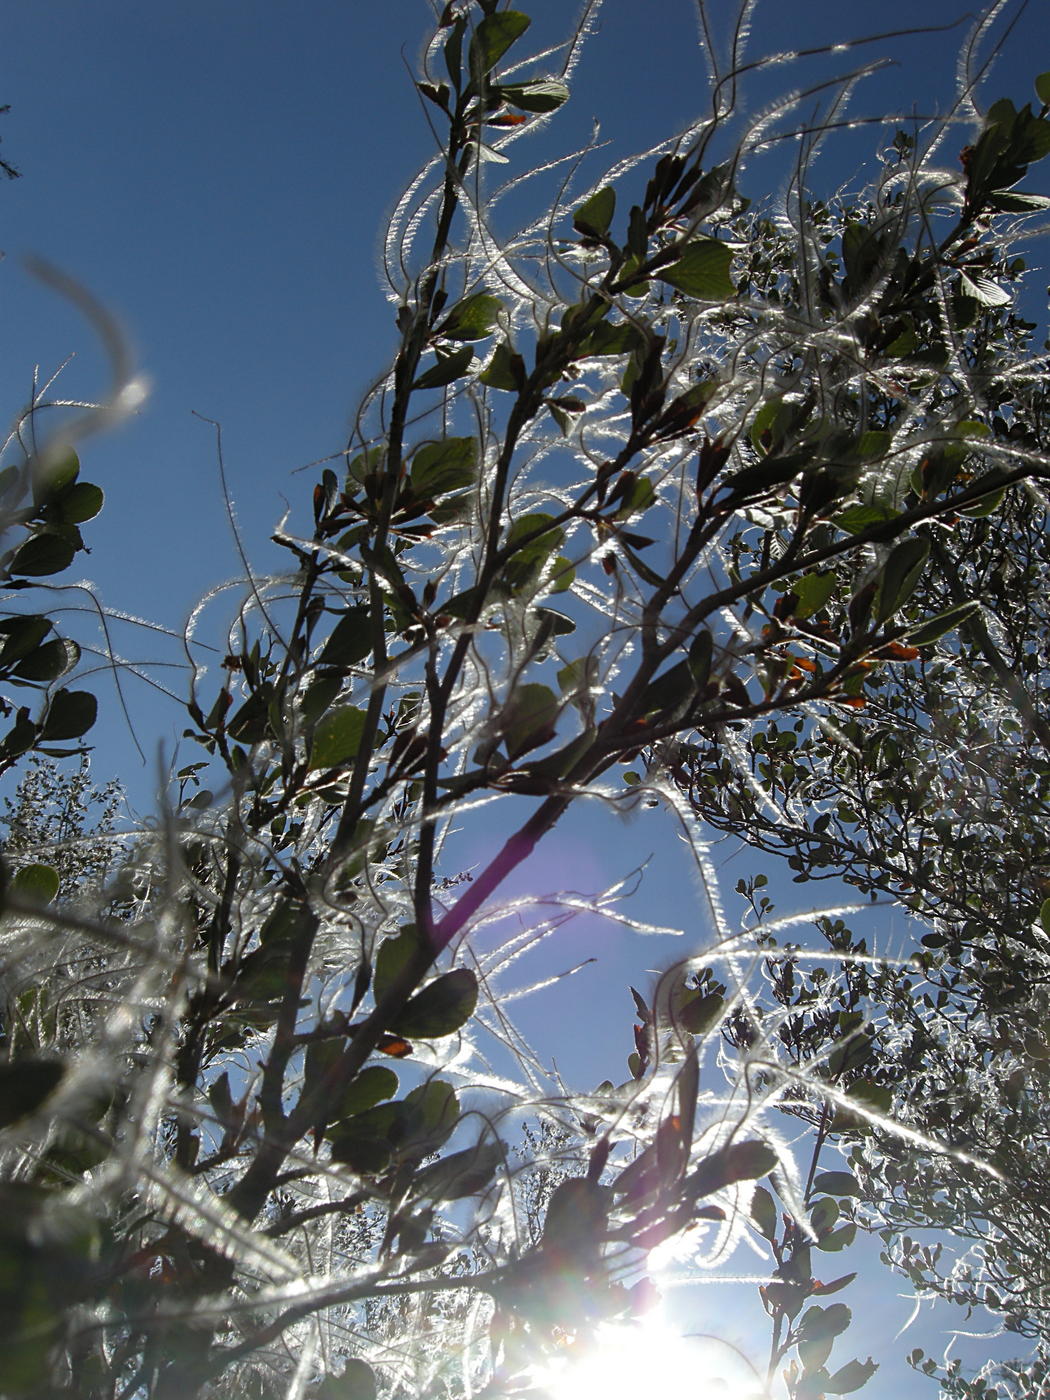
x=217, y=173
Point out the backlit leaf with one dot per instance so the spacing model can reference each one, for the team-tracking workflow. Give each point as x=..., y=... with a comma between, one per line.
x=473, y=318
x=493, y=37
x=50, y=661
x=70, y=714
x=899, y=575
x=837, y=1184
x=81, y=502
x=350, y=640
x=546, y=95
x=850, y=1377
x=337, y=737
x=459, y=1175
x=447, y=369
x=36, y=882
x=594, y=215
x=702, y=271
x=441, y=1008
x=448, y=465
x=42, y=554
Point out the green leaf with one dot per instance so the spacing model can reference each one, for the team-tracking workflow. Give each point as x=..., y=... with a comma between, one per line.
x=609, y=338
x=1042, y=88
x=812, y=592
x=741, y=1161
x=368, y=1087
x=459, y=1175
x=669, y=691
x=52, y=475
x=899, y=575
x=874, y=1096
x=813, y=1354
x=25, y=1084
x=532, y=543
x=528, y=718
x=364, y=467
x=594, y=215
x=23, y=635
x=825, y=1213
x=837, y=1184
x=81, y=502
x=831, y=1321
x=545, y=95
x=1017, y=202
x=441, y=1008
x=394, y=954
x=70, y=714
x=36, y=882
x=440, y=467
x=447, y=368
x=1044, y=916
x=472, y=319
x=838, y=1239
x=939, y=625
x=984, y=290
x=764, y=1213
x=429, y=1117
x=576, y=1217
x=21, y=736
x=506, y=370
x=699, y=1015
x=362, y=1143
x=318, y=695
x=857, y=519
x=337, y=737
x=493, y=37
x=850, y=1377
x=701, y=652
x=350, y=640
x=49, y=662
x=45, y=553
x=702, y=271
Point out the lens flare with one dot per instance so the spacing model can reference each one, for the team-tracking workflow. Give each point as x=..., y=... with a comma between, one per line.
x=649, y=1358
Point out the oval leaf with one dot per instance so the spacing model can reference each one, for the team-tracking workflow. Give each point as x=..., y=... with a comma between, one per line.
x=449, y=465
x=472, y=319
x=42, y=554
x=595, y=214
x=337, y=737
x=837, y=1184
x=900, y=574
x=850, y=1377
x=350, y=641
x=70, y=714
x=441, y=1008
x=546, y=95
x=81, y=502
x=460, y=1175
x=702, y=271
x=49, y=662
x=448, y=368
x=493, y=37
x=36, y=882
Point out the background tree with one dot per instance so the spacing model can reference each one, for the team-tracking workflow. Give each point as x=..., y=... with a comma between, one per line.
x=933, y=793
x=293, y=1152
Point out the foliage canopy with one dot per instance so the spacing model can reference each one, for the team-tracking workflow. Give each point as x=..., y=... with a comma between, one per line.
x=664, y=498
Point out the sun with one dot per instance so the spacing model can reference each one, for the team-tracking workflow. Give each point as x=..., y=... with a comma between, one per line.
x=650, y=1359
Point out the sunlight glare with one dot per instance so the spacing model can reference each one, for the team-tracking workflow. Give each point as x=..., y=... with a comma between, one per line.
x=649, y=1358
